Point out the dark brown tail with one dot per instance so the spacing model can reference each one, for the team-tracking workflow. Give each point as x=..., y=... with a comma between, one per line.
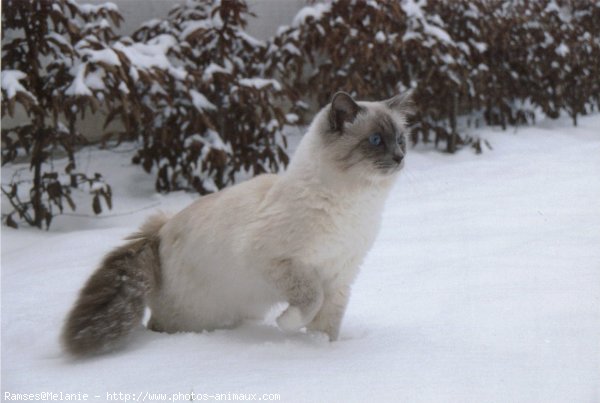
x=112, y=302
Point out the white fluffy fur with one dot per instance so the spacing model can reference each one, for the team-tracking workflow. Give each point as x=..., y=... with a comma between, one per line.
x=297, y=237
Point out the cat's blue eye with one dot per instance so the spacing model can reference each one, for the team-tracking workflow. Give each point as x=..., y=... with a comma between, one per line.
x=375, y=139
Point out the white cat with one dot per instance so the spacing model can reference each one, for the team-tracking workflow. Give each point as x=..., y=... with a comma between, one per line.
x=297, y=237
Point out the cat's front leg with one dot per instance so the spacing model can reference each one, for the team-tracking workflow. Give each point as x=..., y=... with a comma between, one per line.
x=329, y=318
x=301, y=287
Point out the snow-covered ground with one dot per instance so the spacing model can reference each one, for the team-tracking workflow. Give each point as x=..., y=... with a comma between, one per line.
x=483, y=286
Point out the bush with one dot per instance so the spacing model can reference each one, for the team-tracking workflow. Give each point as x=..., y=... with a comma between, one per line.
x=213, y=114
x=495, y=61
x=190, y=87
x=45, y=71
x=198, y=93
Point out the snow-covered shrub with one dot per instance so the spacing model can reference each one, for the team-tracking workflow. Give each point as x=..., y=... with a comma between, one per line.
x=375, y=49
x=539, y=56
x=568, y=67
x=191, y=87
x=347, y=46
x=53, y=68
x=496, y=61
x=213, y=113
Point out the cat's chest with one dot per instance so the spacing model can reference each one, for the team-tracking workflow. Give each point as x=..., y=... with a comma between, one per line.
x=341, y=236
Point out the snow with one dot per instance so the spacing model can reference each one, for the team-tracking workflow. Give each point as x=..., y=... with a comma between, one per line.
x=272, y=125
x=94, y=9
x=212, y=140
x=314, y=11
x=209, y=184
x=464, y=48
x=123, y=87
x=447, y=59
x=483, y=286
x=133, y=73
x=200, y=102
x=413, y=8
x=11, y=84
x=215, y=141
x=438, y=33
x=58, y=38
x=107, y=56
x=189, y=27
x=415, y=14
x=252, y=41
x=102, y=23
x=212, y=69
x=216, y=20
x=562, y=50
x=411, y=35
x=94, y=80
x=79, y=87
x=291, y=48
x=480, y=46
x=292, y=118
x=152, y=54
x=260, y=83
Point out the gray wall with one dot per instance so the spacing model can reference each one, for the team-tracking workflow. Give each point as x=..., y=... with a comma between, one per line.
x=270, y=14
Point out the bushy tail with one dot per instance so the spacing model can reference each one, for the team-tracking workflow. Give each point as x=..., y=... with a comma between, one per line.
x=112, y=302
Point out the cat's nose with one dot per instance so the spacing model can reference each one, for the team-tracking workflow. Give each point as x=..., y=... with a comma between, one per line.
x=398, y=157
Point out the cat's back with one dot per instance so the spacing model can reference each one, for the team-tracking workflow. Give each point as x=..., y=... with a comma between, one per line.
x=203, y=283
x=214, y=218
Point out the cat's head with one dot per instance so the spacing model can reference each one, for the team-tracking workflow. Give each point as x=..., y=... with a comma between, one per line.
x=368, y=139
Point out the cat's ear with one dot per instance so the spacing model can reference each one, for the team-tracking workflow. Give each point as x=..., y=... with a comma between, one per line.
x=343, y=109
x=402, y=103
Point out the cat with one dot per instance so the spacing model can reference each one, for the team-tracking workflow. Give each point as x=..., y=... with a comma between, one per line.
x=297, y=237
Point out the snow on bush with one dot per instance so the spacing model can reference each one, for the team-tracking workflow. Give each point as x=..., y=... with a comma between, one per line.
x=190, y=87
x=494, y=60
x=48, y=71
x=204, y=99
x=214, y=112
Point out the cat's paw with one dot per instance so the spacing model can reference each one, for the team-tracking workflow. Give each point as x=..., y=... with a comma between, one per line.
x=319, y=325
x=290, y=320
x=318, y=335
